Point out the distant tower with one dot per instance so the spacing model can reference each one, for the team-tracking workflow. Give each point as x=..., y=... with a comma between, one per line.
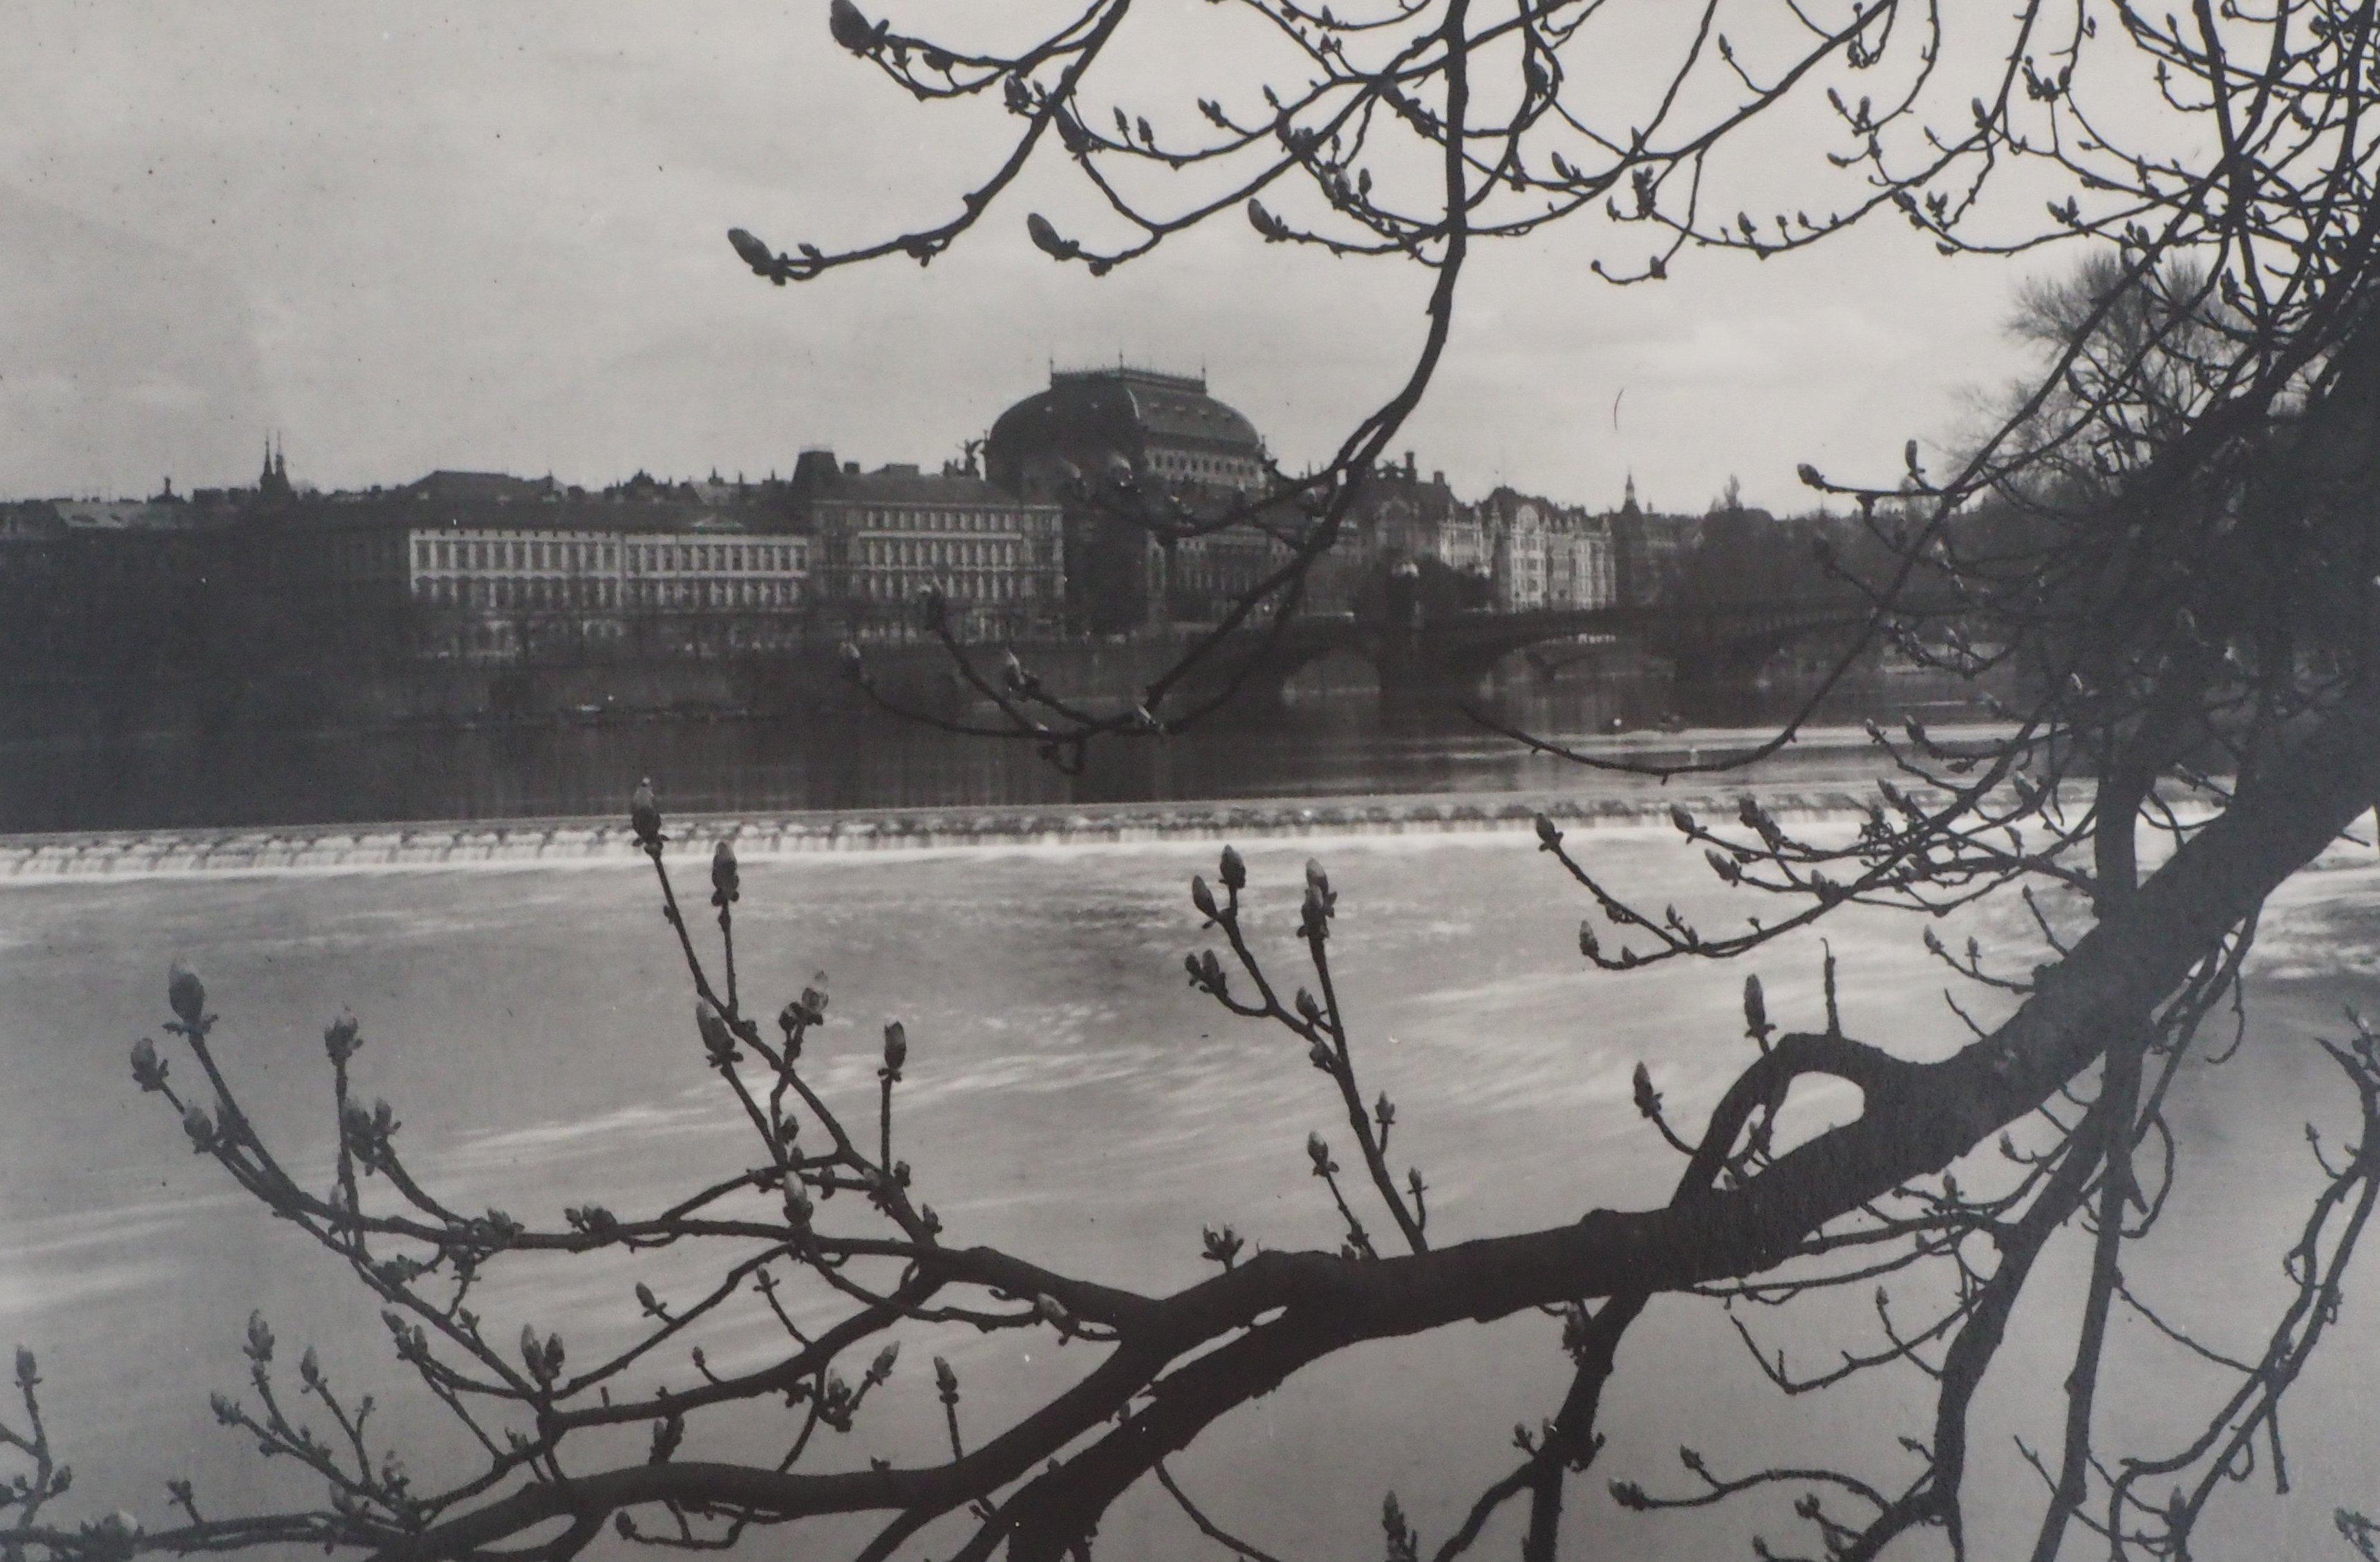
x=273, y=482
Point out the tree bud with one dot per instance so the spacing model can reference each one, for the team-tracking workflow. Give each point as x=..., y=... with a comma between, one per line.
x=148, y=1069
x=849, y=29
x=28, y=1373
x=726, y=885
x=718, y=1041
x=342, y=1037
x=1316, y=915
x=645, y=815
x=1549, y=837
x=1309, y=1008
x=1048, y=241
x=259, y=1349
x=1648, y=1100
x=1202, y=897
x=185, y=993
x=1319, y=1154
x=1234, y=873
x=946, y=1382
x=896, y=1048
x=200, y=1127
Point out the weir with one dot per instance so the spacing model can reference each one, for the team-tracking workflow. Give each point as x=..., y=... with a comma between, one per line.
x=610, y=842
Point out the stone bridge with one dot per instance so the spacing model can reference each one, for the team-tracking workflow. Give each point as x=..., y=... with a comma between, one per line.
x=1717, y=651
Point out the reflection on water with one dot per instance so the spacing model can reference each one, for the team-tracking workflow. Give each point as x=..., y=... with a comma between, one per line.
x=1320, y=745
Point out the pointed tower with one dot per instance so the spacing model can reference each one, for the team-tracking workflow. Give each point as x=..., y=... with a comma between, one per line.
x=273, y=484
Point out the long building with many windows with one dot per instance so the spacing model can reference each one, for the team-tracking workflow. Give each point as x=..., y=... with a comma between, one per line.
x=485, y=590
x=482, y=566
x=887, y=540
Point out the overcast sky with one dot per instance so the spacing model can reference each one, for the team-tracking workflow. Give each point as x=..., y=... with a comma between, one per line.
x=408, y=237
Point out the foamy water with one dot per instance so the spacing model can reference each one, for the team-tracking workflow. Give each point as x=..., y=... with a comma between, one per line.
x=609, y=842
x=1070, y=1098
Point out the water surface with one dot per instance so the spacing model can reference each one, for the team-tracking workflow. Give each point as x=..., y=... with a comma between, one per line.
x=1070, y=1098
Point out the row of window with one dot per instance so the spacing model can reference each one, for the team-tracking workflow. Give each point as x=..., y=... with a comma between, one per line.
x=658, y=558
x=580, y=556
x=714, y=593
x=932, y=552
x=518, y=592
x=542, y=591
x=512, y=553
x=1222, y=468
x=962, y=585
x=904, y=519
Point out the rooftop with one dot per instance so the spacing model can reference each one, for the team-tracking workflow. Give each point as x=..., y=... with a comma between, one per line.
x=1131, y=374
x=905, y=484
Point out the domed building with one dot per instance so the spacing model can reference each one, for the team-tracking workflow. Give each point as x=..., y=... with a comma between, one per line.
x=1131, y=453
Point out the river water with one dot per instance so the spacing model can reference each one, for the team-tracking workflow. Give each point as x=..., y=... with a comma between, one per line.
x=1070, y=1098
x=1324, y=742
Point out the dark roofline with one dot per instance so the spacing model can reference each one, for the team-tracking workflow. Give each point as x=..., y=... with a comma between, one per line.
x=1129, y=372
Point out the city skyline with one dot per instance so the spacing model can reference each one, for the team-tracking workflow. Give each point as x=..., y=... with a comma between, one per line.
x=497, y=243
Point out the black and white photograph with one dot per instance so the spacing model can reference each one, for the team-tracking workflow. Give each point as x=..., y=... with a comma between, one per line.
x=1190, y=780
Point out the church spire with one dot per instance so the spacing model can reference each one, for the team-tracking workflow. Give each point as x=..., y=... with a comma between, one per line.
x=273, y=482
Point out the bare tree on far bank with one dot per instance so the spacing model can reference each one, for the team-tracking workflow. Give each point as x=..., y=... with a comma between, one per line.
x=2181, y=548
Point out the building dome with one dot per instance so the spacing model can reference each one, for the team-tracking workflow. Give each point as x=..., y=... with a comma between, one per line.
x=1165, y=426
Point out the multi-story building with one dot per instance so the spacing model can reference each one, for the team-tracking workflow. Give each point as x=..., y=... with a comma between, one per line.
x=1579, y=569
x=90, y=588
x=484, y=567
x=1150, y=471
x=485, y=590
x=888, y=540
x=1518, y=532
x=1464, y=544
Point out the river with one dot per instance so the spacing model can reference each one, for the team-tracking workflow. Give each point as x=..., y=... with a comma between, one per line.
x=1069, y=1097
x=1325, y=742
